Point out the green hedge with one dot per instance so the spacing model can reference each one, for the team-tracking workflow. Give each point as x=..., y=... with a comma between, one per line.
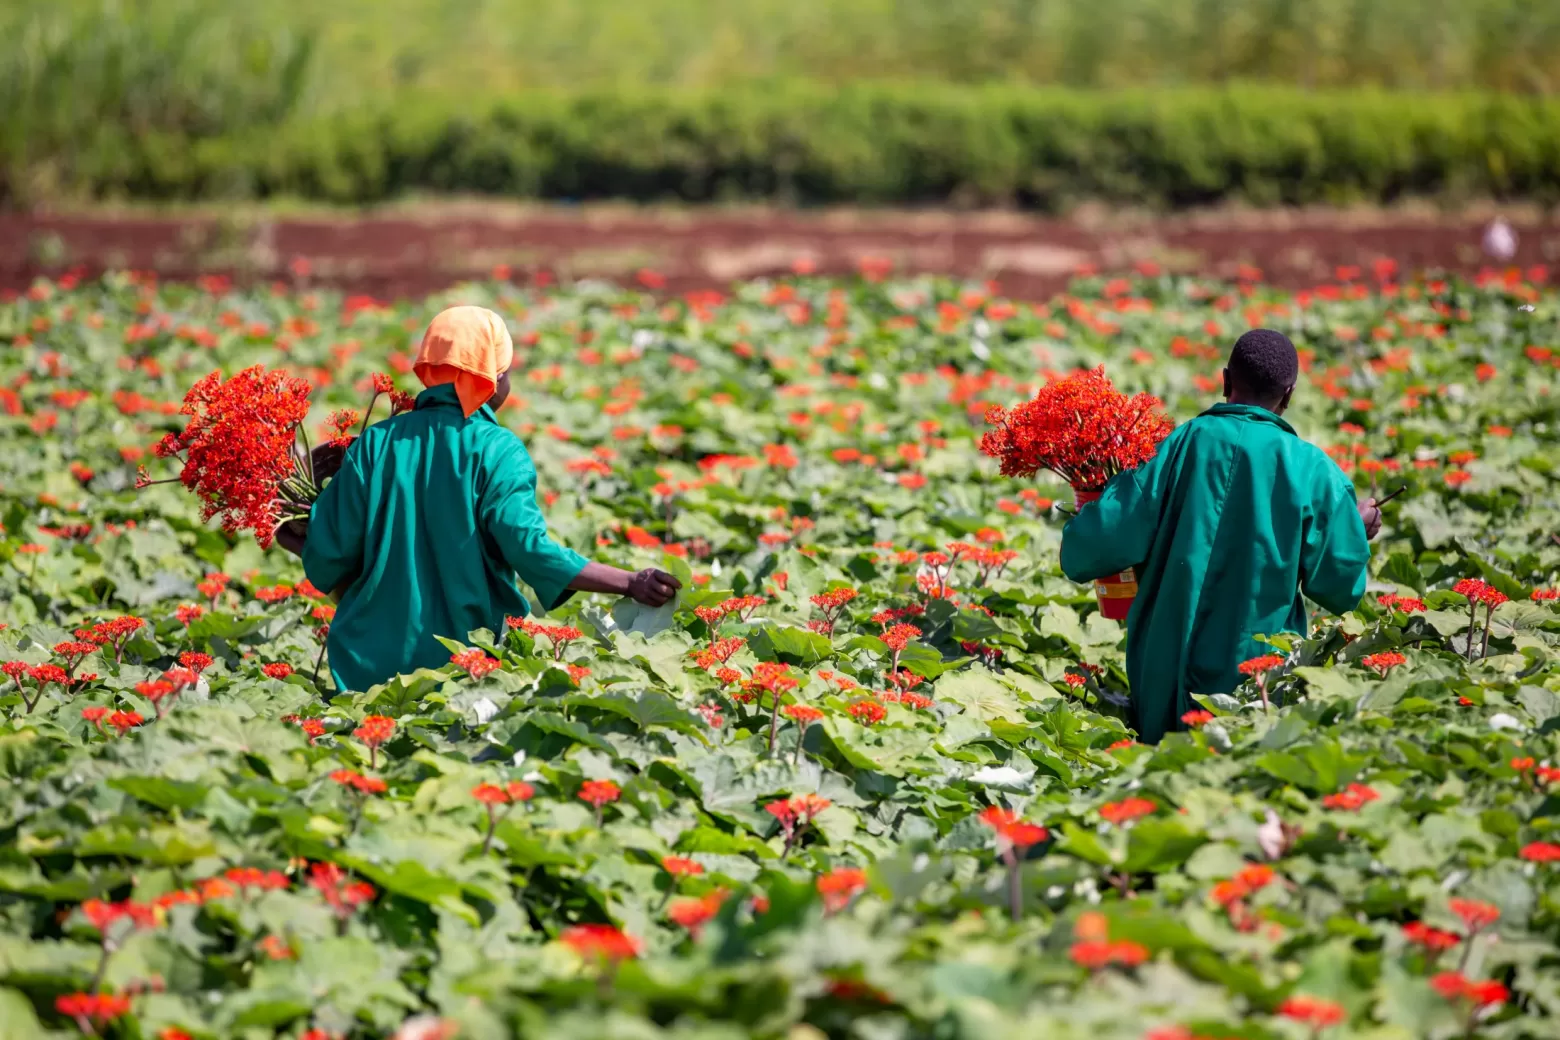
x=1039, y=148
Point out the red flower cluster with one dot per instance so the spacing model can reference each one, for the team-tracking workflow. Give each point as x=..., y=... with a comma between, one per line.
x=599, y=792
x=1258, y=665
x=87, y=1008
x=1480, y=591
x=1095, y=950
x=239, y=445
x=867, y=712
x=600, y=942
x=1197, y=719
x=839, y=886
x=1476, y=915
x=1454, y=985
x=1012, y=832
x=1541, y=852
x=1406, y=604
x=1127, y=810
x=513, y=791
x=1313, y=1011
x=694, y=914
x=1351, y=799
x=358, y=782
x=343, y=896
x=1431, y=938
x=1384, y=661
x=1079, y=427
x=474, y=663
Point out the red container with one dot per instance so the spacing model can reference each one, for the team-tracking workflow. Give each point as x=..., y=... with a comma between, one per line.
x=1115, y=592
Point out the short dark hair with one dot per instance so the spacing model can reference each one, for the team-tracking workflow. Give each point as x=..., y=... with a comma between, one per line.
x=1264, y=363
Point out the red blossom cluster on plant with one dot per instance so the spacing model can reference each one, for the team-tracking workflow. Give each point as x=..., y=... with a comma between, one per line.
x=1406, y=604
x=600, y=942
x=475, y=663
x=694, y=913
x=839, y=886
x=1079, y=427
x=1095, y=950
x=1384, y=661
x=1351, y=798
x=340, y=894
x=794, y=814
x=832, y=604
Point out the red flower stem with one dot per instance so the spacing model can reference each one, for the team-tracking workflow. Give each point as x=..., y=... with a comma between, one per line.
x=1473, y=623
x=487, y=843
x=774, y=719
x=317, y=662
x=1015, y=885
x=308, y=454
x=1489, y=617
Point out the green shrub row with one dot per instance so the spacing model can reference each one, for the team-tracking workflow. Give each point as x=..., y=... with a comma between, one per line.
x=879, y=144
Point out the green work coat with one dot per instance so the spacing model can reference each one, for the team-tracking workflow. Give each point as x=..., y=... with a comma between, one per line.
x=1226, y=525
x=430, y=519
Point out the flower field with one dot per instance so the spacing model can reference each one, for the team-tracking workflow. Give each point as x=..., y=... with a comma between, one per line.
x=867, y=777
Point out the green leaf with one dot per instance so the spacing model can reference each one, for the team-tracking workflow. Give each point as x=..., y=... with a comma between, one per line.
x=1156, y=845
x=646, y=708
x=798, y=646
x=981, y=695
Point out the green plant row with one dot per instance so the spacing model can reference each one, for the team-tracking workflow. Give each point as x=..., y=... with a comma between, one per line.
x=878, y=144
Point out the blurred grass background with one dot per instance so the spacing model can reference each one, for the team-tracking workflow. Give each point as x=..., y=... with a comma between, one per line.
x=79, y=76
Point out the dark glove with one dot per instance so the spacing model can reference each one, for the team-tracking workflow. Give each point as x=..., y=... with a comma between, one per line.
x=653, y=587
x=292, y=535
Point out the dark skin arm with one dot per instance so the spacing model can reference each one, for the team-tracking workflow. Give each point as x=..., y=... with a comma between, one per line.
x=650, y=586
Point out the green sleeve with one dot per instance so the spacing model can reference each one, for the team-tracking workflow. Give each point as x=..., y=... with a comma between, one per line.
x=1115, y=532
x=1335, y=555
x=509, y=514
x=333, y=552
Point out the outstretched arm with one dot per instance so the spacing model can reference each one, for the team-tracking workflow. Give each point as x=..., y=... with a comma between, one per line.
x=510, y=514
x=1335, y=556
x=650, y=586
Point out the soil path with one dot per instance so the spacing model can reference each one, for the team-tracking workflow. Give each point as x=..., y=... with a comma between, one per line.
x=414, y=251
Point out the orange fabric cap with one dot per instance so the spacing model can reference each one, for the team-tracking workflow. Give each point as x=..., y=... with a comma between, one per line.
x=467, y=346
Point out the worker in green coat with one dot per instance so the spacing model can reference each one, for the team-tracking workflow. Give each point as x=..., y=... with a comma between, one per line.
x=433, y=515
x=1226, y=526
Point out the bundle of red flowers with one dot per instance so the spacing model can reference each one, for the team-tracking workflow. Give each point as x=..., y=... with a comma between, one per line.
x=245, y=452
x=1079, y=427
x=1084, y=430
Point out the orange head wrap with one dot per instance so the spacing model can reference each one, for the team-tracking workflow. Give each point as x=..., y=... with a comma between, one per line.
x=467, y=346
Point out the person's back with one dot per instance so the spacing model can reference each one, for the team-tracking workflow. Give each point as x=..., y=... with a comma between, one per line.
x=450, y=500
x=1227, y=525
x=432, y=516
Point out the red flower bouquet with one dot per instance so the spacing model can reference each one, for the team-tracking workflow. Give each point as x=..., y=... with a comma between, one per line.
x=1085, y=431
x=245, y=452
x=1079, y=427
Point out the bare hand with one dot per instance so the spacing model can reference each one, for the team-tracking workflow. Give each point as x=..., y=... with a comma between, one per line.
x=653, y=587
x=1370, y=516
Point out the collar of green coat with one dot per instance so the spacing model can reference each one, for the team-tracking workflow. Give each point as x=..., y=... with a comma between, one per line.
x=1256, y=413
x=445, y=397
